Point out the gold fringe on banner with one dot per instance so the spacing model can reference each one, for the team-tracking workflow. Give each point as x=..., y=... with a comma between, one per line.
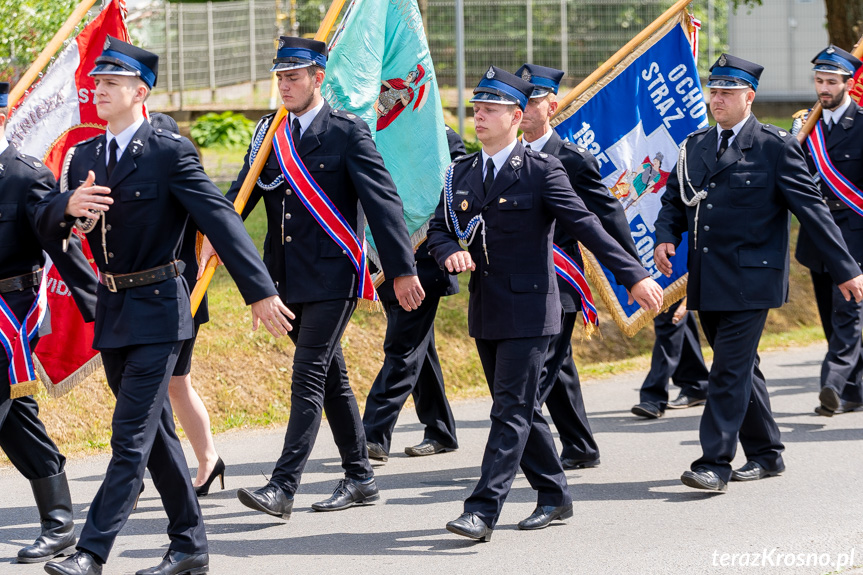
x=93, y=365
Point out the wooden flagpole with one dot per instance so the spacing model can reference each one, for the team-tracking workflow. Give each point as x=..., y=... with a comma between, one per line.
x=255, y=169
x=48, y=52
x=815, y=114
x=618, y=57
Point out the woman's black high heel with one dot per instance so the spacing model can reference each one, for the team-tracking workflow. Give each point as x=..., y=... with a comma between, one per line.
x=218, y=471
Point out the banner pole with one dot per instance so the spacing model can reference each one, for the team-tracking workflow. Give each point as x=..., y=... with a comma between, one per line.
x=815, y=114
x=48, y=52
x=618, y=57
x=255, y=169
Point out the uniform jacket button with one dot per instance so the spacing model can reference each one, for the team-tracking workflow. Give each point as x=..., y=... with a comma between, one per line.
x=108, y=228
x=515, y=204
x=747, y=182
x=709, y=206
x=485, y=208
x=155, y=291
x=137, y=194
x=764, y=262
x=345, y=252
x=706, y=228
x=712, y=184
x=287, y=216
x=705, y=250
x=321, y=166
x=535, y=286
x=484, y=273
x=288, y=239
x=62, y=224
x=110, y=254
x=288, y=192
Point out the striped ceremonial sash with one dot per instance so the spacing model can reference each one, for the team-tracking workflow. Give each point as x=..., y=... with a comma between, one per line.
x=572, y=273
x=322, y=209
x=16, y=338
x=838, y=184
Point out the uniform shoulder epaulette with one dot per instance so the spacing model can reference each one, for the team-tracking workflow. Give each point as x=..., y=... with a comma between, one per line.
x=30, y=161
x=573, y=147
x=448, y=129
x=345, y=114
x=264, y=122
x=88, y=141
x=465, y=157
x=780, y=133
x=535, y=154
x=700, y=131
x=168, y=134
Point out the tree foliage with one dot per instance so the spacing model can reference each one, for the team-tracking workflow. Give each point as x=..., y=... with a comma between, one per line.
x=27, y=26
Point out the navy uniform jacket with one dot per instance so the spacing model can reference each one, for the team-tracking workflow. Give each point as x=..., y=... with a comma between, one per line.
x=583, y=171
x=741, y=259
x=845, y=148
x=305, y=263
x=157, y=183
x=24, y=181
x=515, y=294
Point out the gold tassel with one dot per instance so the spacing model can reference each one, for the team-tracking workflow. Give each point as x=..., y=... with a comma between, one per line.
x=23, y=389
x=369, y=305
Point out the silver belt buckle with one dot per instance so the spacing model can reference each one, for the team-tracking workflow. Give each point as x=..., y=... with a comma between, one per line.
x=110, y=283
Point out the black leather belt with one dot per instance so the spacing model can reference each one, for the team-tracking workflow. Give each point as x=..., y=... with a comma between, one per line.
x=116, y=282
x=836, y=205
x=21, y=282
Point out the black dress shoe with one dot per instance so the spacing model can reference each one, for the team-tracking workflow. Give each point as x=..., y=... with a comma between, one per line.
x=683, y=401
x=821, y=410
x=270, y=499
x=571, y=463
x=349, y=492
x=81, y=563
x=849, y=406
x=377, y=452
x=176, y=563
x=218, y=471
x=702, y=478
x=829, y=399
x=427, y=447
x=470, y=525
x=753, y=471
x=647, y=410
x=545, y=514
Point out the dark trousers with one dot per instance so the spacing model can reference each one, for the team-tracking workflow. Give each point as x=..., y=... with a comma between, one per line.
x=560, y=391
x=841, y=320
x=143, y=436
x=320, y=383
x=23, y=437
x=676, y=356
x=519, y=434
x=411, y=366
x=737, y=401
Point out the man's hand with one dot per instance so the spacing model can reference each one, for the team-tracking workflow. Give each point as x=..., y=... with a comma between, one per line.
x=409, y=292
x=852, y=288
x=661, y=255
x=273, y=314
x=88, y=197
x=207, y=252
x=679, y=313
x=648, y=294
x=459, y=262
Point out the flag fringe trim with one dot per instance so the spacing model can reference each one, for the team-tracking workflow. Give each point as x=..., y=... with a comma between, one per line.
x=58, y=390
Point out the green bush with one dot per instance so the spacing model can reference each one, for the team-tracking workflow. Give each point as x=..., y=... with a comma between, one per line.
x=225, y=130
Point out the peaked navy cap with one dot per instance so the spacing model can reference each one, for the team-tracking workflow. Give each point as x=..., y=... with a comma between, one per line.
x=836, y=61
x=498, y=86
x=733, y=72
x=545, y=80
x=123, y=59
x=294, y=53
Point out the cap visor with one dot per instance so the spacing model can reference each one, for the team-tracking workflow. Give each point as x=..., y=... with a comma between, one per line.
x=728, y=84
x=113, y=69
x=830, y=69
x=492, y=99
x=282, y=66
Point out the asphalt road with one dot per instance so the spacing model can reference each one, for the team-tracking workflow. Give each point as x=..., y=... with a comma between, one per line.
x=632, y=514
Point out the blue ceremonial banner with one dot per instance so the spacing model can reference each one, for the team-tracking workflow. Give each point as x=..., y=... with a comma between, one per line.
x=633, y=121
x=380, y=68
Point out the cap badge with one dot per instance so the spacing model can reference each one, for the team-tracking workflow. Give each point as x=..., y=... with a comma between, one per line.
x=490, y=73
x=107, y=43
x=525, y=76
x=831, y=50
x=281, y=43
x=722, y=60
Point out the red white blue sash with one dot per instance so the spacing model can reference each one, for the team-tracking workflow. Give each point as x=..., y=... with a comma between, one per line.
x=572, y=273
x=16, y=337
x=322, y=209
x=838, y=184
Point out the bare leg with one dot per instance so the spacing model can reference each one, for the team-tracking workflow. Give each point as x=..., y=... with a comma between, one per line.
x=195, y=421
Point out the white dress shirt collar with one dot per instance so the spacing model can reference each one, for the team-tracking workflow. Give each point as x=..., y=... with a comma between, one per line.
x=736, y=129
x=499, y=158
x=307, y=118
x=538, y=144
x=124, y=138
x=836, y=115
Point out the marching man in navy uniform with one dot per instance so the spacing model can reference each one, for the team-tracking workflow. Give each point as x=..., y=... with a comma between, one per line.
x=560, y=388
x=732, y=189
x=841, y=132
x=24, y=181
x=134, y=189
x=323, y=163
x=411, y=364
x=496, y=218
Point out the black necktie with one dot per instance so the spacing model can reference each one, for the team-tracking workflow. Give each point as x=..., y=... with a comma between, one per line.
x=829, y=125
x=489, y=175
x=112, y=156
x=295, y=131
x=723, y=143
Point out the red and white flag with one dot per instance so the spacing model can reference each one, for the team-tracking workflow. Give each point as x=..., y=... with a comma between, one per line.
x=54, y=116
